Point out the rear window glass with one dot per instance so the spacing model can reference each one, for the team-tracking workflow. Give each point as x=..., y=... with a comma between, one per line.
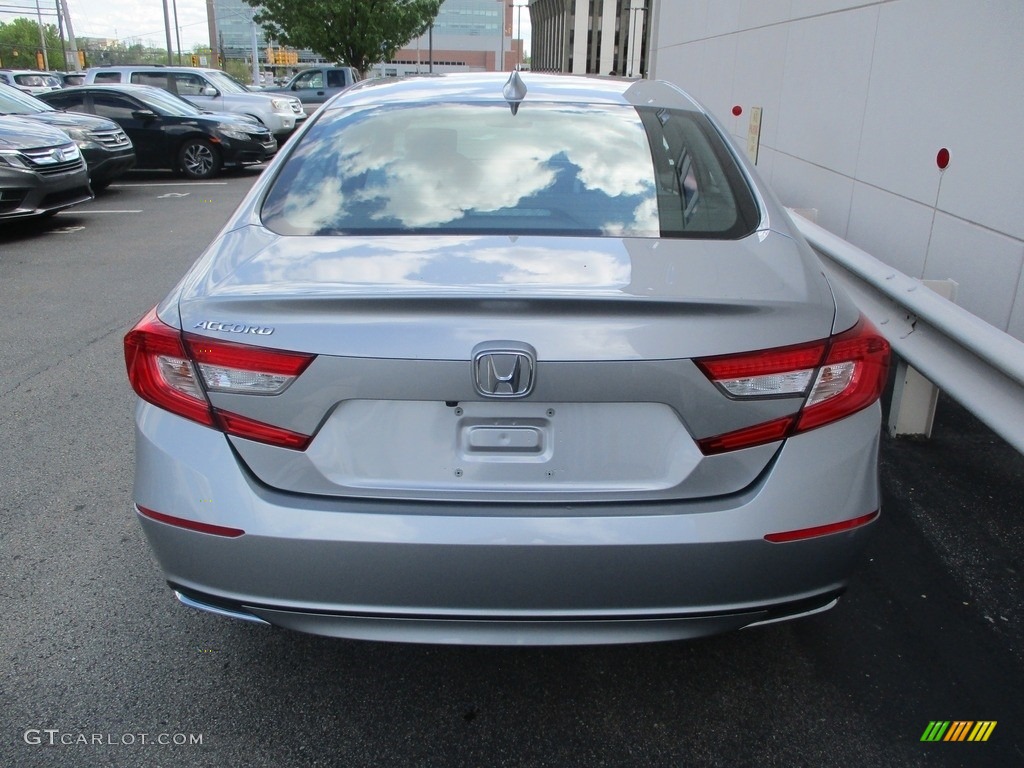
x=478, y=168
x=107, y=77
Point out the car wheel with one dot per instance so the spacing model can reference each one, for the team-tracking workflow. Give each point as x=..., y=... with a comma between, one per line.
x=198, y=159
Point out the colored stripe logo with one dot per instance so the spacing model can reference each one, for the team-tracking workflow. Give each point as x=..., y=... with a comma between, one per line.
x=958, y=730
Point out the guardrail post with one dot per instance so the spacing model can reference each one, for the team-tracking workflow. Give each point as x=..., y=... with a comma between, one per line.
x=912, y=411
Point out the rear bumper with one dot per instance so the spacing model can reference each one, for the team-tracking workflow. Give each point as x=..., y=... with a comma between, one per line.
x=502, y=630
x=507, y=574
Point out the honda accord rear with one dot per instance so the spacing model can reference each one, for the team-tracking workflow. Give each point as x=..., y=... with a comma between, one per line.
x=535, y=361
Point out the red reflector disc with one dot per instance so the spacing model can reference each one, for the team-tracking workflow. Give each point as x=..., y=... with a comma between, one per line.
x=820, y=530
x=192, y=525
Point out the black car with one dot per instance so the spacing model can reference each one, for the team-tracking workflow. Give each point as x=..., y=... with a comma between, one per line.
x=42, y=171
x=106, y=147
x=169, y=132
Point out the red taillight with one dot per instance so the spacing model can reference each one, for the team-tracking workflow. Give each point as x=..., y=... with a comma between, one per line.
x=174, y=373
x=160, y=371
x=837, y=377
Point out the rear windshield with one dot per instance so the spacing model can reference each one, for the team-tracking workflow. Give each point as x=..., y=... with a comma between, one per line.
x=478, y=168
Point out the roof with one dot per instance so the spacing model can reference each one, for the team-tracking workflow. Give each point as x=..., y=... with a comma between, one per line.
x=488, y=86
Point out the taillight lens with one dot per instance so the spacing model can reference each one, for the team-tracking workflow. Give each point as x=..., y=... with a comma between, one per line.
x=174, y=371
x=837, y=376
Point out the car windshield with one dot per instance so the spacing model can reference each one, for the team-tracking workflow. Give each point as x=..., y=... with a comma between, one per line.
x=32, y=81
x=14, y=102
x=225, y=83
x=168, y=104
x=480, y=168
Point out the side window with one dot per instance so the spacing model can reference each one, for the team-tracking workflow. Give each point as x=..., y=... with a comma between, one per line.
x=114, y=106
x=156, y=79
x=72, y=102
x=188, y=84
x=311, y=80
x=107, y=77
x=336, y=78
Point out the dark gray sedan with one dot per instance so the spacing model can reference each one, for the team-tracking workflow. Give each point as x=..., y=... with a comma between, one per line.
x=107, y=150
x=520, y=362
x=42, y=170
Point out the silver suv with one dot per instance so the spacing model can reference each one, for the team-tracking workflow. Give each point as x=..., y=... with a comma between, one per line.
x=212, y=90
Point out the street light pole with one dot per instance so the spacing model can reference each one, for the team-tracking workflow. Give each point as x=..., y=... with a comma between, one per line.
x=499, y=65
x=519, y=24
x=633, y=53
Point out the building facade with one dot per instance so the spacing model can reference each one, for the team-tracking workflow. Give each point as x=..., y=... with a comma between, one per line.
x=590, y=36
x=858, y=101
x=467, y=35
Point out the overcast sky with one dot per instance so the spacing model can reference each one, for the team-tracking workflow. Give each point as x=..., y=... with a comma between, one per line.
x=142, y=21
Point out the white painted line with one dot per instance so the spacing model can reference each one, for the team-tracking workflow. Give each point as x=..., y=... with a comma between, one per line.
x=80, y=211
x=173, y=184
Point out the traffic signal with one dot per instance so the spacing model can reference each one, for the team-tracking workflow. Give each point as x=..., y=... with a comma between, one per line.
x=81, y=59
x=195, y=60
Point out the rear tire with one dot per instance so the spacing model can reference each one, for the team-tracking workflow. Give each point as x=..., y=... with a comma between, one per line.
x=198, y=159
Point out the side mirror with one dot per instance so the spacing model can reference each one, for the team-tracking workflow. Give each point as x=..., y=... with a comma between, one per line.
x=209, y=90
x=144, y=114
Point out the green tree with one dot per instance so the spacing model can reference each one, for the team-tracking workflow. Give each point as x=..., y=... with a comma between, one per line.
x=19, y=44
x=120, y=53
x=355, y=32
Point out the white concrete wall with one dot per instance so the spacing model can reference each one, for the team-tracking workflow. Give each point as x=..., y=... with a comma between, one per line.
x=858, y=97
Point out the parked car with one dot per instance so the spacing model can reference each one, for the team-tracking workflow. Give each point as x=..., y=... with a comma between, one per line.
x=535, y=361
x=212, y=90
x=42, y=171
x=169, y=132
x=315, y=85
x=29, y=80
x=106, y=147
x=70, y=78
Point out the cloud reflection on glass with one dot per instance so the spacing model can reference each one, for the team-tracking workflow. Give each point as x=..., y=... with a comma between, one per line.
x=472, y=168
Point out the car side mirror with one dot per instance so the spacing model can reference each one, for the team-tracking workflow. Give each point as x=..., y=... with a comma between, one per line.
x=144, y=114
x=209, y=90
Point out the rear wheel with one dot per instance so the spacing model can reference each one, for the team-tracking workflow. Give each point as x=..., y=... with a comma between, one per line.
x=198, y=159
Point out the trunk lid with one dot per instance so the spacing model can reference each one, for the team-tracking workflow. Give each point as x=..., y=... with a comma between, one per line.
x=613, y=324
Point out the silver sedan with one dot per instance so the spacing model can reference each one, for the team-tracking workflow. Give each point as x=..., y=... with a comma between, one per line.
x=527, y=360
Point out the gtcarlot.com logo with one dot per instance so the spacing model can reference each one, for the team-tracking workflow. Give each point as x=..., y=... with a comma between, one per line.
x=53, y=737
x=958, y=730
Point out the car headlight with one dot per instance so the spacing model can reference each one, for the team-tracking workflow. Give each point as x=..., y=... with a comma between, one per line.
x=81, y=137
x=282, y=105
x=13, y=159
x=233, y=133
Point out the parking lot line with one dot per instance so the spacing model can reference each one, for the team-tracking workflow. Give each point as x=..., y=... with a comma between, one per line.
x=172, y=184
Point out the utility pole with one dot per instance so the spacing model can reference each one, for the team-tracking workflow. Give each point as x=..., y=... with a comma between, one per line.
x=177, y=29
x=42, y=37
x=73, y=52
x=167, y=30
x=60, y=33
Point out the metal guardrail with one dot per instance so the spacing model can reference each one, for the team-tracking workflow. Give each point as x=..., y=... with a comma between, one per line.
x=980, y=366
